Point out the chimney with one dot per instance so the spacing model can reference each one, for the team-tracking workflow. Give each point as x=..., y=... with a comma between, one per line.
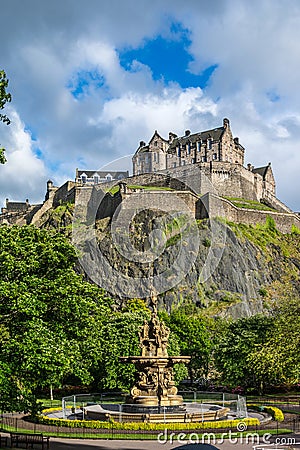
x=226, y=122
x=187, y=132
x=249, y=167
x=50, y=184
x=236, y=140
x=172, y=136
x=142, y=144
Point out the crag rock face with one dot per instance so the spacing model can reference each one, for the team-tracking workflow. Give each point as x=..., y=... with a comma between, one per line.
x=232, y=275
x=230, y=270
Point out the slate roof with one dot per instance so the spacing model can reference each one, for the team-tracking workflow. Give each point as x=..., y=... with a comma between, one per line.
x=214, y=134
x=261, y=170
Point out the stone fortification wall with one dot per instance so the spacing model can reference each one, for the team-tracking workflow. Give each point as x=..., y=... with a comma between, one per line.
x=214, y=206
x=160, y=200
x=223, y=178
x=275, y=203
x=108, y=204
x=64, y=194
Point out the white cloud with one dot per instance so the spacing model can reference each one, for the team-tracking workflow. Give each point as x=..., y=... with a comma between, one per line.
x=255, y=45
x=24, y=173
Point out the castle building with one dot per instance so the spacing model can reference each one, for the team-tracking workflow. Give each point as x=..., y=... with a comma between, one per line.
x=219, y=156
x=159, y=154
x=97, y=177
x=206, y=169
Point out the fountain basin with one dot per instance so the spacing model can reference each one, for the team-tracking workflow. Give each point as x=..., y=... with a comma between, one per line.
x=190, y=412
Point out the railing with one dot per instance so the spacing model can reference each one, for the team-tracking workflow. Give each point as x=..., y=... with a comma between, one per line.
x=18, y=424
x=236, y=403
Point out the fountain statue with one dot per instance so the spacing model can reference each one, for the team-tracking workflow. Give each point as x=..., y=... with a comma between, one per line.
x=154, y=382
x=154, y=397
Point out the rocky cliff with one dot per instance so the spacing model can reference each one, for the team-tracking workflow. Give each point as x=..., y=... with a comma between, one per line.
x=228, y=269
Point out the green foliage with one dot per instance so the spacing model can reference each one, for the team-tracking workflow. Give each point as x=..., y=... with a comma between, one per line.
x=238, y=340
x=295, y=230
x=249, y=204
x=118, y=337
x=5, y=97
x=136, y=305
x=276, y=413
x=206, y=242
x=194, y=340
x=277, y=360
x=270, y=224
x=135, y=426
x=263, y=292
x=52, y=317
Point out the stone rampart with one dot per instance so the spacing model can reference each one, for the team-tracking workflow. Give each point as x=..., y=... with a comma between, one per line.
x=221, y=178
x=64, y=193
x=214, y=206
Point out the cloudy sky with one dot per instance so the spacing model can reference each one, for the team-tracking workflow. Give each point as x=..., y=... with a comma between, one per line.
x=91, y=79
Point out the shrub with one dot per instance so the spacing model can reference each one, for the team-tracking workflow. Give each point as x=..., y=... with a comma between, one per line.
x=263, y=292
x=295, y=229
x=275, y=412
x=206, y=242
x=270, y=224
x=134, y=426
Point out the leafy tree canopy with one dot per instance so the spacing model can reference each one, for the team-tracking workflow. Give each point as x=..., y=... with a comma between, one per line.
x=50, y=317
x=5, y=97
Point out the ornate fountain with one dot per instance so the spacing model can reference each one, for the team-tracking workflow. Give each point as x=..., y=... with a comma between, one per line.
x=154, y=397
x=154, y=386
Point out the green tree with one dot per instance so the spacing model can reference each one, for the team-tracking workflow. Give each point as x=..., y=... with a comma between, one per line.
x=50, y=317
x=194, y=339
x=277, y=361
x=5, y=97
x=235, y=345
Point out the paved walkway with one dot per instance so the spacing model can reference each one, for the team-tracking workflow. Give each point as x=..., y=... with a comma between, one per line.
x=78, y=444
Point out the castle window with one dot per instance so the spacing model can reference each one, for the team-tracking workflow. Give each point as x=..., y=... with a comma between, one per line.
x=188, y=148
x=96, y=179
x=155, y=143
x=203, y=159
x=183, y=162
x=178, y=152
x=193, y=160
x=198, y=146
x=174, y=164
x=83, y=178
x=214, y=156
x=209, y=144
x=154, y=156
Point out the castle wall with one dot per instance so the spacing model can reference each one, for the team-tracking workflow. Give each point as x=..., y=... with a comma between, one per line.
x=63, y=193
x=222, y=178
x=214, y=206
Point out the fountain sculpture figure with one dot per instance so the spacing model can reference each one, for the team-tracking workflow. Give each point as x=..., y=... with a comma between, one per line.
x=154, y=385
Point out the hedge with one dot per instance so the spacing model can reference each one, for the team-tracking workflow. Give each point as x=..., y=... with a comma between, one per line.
x=97, y=424
x=275, y=412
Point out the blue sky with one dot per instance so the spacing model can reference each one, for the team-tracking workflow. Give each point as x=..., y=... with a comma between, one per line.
x=90, y=81
x=168, y=59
